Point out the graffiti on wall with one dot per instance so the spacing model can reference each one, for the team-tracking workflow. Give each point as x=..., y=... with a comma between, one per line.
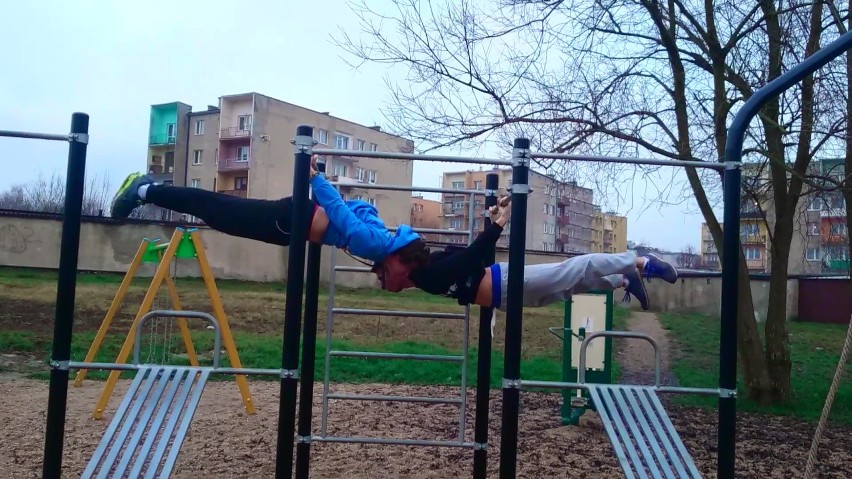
x=15, y=238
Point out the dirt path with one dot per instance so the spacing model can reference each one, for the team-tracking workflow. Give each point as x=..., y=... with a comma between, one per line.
x=636, y=356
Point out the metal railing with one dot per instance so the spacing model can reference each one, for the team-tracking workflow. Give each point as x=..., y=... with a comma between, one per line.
x=234, y=132
x=161, y=140
x=240, y=163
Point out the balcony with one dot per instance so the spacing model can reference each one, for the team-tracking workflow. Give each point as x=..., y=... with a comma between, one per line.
x=161, y=140
x=756, y=264
x=242, y=193
x=832, y=213
x=752, y=239
x=240, y=163
x=234, y=132
x=562, y=238
x=563, y=220
x=449, y=210
x=837, y=264
x=834, y=237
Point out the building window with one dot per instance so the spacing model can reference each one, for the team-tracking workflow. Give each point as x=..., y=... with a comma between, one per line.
x=752, y=253
x=813, y=229
x=196, y=157
x=838, y=229
x=371, y=177
x=458, y=185
x=338, y=169
x=815, y=204
x=199, y=127
x=360, y=173
x=341, y=142
x=171, y=129
x=360, y=145
x=374, y=147
x=372, y=201
x=241, y=183
x=244, y=123
x=242, y=153
x=321, y=136
x=813, y=254
x=195, y=183
x=749, y=229
x=455, y=223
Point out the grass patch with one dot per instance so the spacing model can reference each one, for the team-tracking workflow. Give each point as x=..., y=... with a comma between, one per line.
x=17, y=341
x=814, y=351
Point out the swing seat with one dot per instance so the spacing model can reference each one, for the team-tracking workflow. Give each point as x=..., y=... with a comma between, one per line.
x=145, y=435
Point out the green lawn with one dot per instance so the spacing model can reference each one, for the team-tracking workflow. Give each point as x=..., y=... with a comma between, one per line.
x=814, y=349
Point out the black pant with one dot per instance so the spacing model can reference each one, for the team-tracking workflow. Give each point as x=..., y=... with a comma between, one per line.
x=262, y=220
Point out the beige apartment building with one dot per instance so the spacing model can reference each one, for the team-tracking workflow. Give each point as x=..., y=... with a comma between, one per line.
x=609, y=234
x=560, y=215
x=426, y=214
x=242, y=148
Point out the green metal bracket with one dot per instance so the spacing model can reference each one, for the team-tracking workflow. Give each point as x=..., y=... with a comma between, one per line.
x=185, y=248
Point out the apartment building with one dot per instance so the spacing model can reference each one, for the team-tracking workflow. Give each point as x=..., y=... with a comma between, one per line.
x=609, y=232
x=820, y=236
x=242, y=147
x=560, y=215
x=426, y=214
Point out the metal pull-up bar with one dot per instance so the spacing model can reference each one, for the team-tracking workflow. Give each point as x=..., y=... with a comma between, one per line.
x=66, y=284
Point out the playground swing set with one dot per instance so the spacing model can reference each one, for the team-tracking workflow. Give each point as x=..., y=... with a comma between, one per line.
x=153, y=418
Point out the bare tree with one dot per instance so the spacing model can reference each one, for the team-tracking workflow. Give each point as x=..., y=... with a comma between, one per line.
x=627, y=77
x=47, y=194
x=688, y=258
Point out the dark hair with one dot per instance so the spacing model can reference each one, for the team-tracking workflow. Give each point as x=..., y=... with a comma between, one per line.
x=415, y=254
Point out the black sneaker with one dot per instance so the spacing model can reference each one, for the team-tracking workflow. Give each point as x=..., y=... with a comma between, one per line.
x=657, y=267
x=127, y=197
x=635, y=287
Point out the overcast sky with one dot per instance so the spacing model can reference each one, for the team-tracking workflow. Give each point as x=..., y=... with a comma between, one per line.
x=113, y=59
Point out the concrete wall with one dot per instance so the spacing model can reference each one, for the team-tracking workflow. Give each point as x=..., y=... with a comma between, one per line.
x=107, y=246
x=703, y=295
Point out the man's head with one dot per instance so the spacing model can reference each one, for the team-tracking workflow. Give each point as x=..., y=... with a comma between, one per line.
x=393, y=271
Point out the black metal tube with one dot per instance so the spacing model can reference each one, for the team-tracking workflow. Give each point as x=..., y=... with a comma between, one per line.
x=726, y=457
x=293, y=303
x=514, y=309
x=309, y=350
x=483, y=360
x=66, y=286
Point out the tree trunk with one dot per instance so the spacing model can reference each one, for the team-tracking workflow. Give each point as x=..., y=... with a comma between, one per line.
x=777, y=339
x=749, y=348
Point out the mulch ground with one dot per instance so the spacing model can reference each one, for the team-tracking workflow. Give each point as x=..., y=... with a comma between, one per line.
x=225, y=442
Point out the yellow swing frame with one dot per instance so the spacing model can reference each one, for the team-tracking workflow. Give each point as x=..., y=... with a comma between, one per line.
x=184, y=243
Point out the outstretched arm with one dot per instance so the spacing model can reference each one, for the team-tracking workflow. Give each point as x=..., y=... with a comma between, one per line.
x=358, y=235
x=488, y=238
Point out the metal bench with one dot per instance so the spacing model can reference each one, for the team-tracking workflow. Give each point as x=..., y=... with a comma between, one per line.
x=642, y=435
x=146, y=434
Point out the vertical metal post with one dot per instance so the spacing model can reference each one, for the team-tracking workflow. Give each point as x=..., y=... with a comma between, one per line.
x=483, y=361
x=728, y=337
x=514, y=309
x=466, y=333
x=309, y=349
x=293, y=303
x=65, y=291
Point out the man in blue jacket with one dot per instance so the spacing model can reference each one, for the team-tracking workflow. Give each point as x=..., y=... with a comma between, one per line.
x=353, y=226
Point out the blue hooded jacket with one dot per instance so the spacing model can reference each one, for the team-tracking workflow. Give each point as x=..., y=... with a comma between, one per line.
x=356, y=226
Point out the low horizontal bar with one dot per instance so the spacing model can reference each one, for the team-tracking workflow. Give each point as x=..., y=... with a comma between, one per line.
x=135, y=367
x=389, y=441
x=552, y=385
x=399, y=314
x=418, y=357
x=421, y=189
x=437, y=231
x=160, y=246
x=388, y=155
x=353, y=269
x=34, y=136
x=247, y=371
x=657, y=389
x=359, y=397
x=107, y=366
x=682, y=390
x=635, y=161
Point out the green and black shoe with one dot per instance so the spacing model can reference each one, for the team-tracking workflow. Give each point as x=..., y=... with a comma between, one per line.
x=127, y=197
